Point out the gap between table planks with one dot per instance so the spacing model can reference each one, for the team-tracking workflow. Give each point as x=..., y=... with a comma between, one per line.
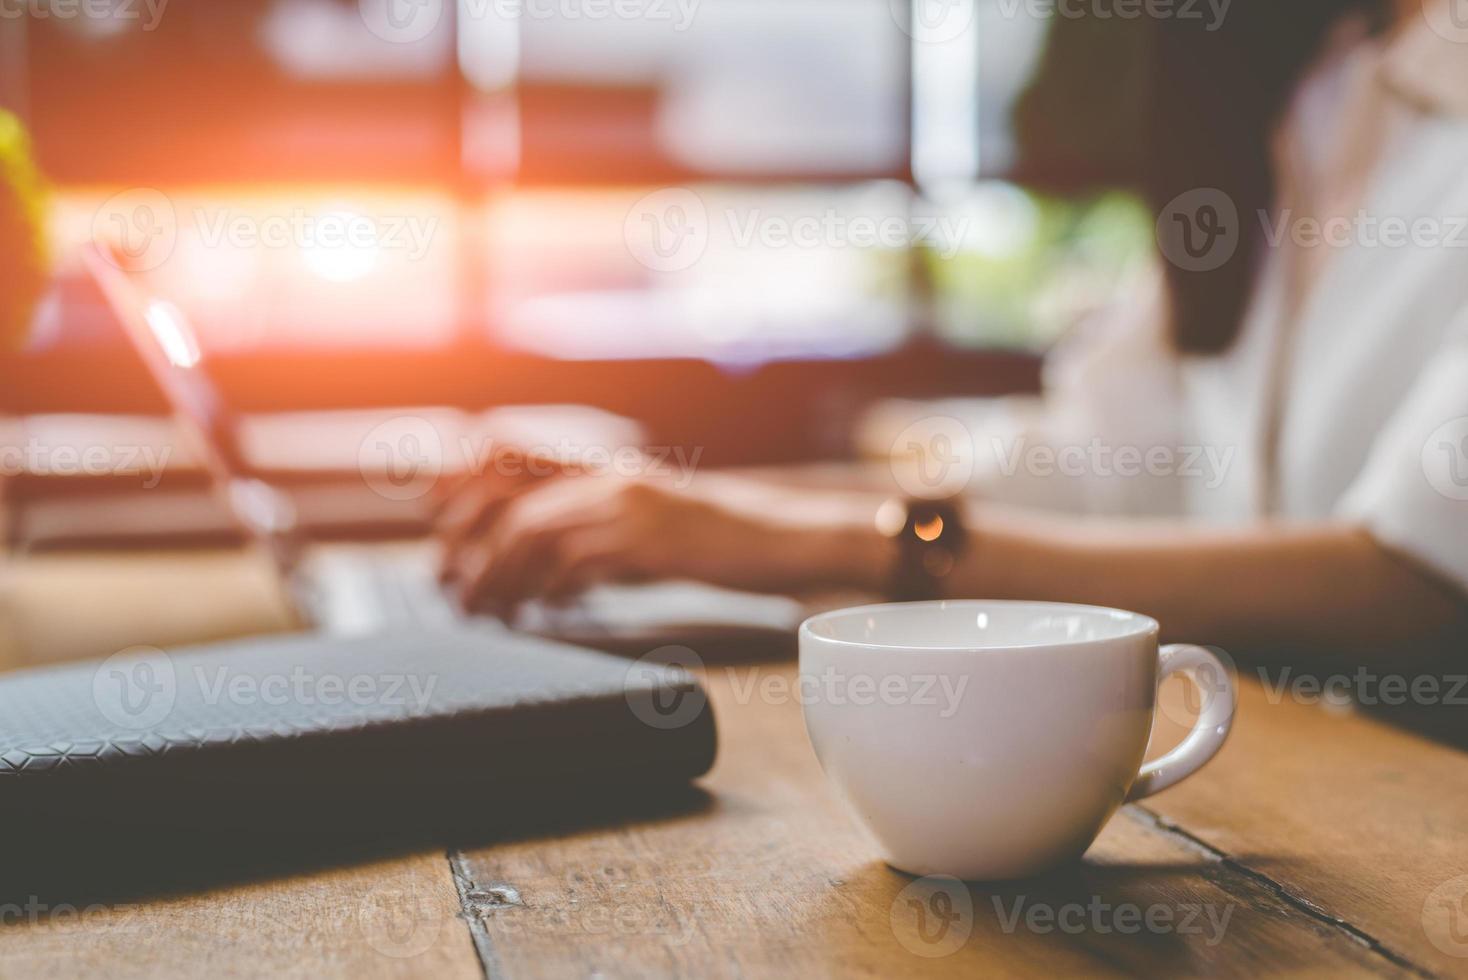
x=1309, y=827
x=776, y=877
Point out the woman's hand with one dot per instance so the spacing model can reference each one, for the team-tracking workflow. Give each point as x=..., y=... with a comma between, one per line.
x=556, y=537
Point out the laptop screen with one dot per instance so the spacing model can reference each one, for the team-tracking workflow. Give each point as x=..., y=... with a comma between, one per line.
x=170, y=349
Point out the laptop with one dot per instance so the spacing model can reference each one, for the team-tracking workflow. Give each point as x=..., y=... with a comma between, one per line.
x=353, y=589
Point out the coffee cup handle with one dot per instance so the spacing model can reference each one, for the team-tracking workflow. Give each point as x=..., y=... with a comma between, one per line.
x=1216, y=686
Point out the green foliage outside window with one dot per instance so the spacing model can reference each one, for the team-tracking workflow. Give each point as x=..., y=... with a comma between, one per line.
x=24, y=256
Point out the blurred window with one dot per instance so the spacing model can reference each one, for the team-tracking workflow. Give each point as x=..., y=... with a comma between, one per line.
x=738, y=180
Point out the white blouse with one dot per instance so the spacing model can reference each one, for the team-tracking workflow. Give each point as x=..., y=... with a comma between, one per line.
x=1346, y=394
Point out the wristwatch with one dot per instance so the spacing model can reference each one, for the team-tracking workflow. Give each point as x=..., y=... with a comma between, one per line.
x=930, y=536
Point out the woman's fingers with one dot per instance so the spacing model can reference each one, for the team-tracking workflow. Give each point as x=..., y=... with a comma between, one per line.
x=446, y=493
x=559, y=537
x=470, y=510
x=471, y=532
x=586, y=559
x=506, y=545
x=516, y=561
x=555, y=562
x=494, y=561
x=544, y=536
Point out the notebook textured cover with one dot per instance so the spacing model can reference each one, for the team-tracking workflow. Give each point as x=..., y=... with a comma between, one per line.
x=305, y=732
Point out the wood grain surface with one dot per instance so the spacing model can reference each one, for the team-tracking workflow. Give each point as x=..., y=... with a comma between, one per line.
x=394, y=918
x=1363, y=820
x=1319, y=842
x=776, y=878
x=78, y=605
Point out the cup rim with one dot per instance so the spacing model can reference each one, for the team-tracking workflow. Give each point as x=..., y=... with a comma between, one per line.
x=1146, y=625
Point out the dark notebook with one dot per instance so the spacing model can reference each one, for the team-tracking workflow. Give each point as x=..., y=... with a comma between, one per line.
x=301, y=732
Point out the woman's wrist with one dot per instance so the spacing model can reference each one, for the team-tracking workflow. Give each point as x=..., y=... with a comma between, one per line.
x=855, y=556
x=843, y=550
x=1006, y=558
x=859, y=546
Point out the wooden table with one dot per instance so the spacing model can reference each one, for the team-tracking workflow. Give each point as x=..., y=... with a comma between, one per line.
x=1317, y=842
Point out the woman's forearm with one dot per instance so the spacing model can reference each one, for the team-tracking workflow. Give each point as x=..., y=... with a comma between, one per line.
x=1298, y=589
x=1327, y=589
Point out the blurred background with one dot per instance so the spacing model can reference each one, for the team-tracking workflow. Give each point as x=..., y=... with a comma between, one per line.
x=886, y=201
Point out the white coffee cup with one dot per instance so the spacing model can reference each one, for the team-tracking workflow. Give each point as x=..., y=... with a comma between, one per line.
x=991, y=740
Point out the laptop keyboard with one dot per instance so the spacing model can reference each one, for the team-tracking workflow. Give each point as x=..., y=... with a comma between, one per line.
x=377, y=588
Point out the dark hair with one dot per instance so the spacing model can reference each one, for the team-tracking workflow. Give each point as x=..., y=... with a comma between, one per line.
x=1207, y=95
x=1217, y=98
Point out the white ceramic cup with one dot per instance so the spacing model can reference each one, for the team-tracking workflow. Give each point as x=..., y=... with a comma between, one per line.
x=991, y=740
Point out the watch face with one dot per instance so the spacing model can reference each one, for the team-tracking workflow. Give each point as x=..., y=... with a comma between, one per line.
x=928, y=546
